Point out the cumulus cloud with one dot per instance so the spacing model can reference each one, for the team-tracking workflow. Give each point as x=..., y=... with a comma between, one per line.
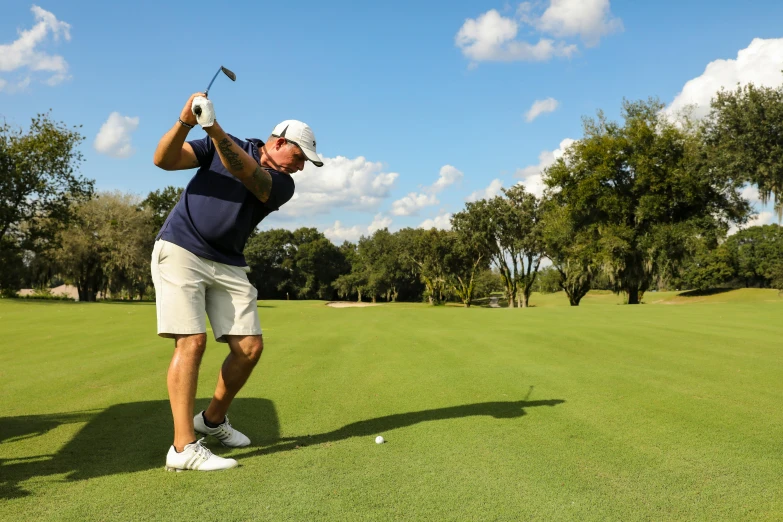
x=380, y=221
x=25, y=57
x=751, y=193
x=342, y=183
x=411, y=204
x=587, y=19
x=531, y=175
x=759, y=63
x=441, y=221
x=762, y=218
x=448, y=176
x=492, y=38
x=540, y=107
x=338, y=233
x=488, y=193
x=114, y=138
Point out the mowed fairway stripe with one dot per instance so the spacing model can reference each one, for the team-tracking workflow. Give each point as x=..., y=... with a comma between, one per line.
x=662, y=412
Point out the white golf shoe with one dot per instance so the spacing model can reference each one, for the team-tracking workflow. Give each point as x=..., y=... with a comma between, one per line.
x=225, y=433
x=196, y=457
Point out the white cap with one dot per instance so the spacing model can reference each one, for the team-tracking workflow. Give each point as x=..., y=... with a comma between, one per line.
x=301, y=134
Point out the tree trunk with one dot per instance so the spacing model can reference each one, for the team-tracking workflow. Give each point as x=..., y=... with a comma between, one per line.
x=633, y=295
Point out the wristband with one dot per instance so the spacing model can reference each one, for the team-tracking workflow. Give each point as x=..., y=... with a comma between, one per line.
x=188, y=125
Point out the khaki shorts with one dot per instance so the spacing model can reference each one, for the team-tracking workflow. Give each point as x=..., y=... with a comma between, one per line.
x=188, y=288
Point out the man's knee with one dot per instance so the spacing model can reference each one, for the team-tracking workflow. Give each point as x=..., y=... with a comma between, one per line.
x=249, y=347
x=254, y=348
x=191, y=345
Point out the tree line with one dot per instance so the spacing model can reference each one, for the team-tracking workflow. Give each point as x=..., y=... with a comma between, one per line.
x=638, y=204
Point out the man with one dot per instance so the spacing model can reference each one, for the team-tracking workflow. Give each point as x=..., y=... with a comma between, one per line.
x=198, y=267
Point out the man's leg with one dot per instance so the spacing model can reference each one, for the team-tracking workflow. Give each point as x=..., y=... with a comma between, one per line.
x=182, y=380
x=243, y=357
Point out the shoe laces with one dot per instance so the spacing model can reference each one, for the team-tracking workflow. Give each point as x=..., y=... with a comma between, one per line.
x=202, y=451
x=225, y=427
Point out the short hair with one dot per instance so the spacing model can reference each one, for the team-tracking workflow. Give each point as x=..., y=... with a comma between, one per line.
x=288, y=142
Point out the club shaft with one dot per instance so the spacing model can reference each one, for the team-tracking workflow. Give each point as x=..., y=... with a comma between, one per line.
x=211, y=82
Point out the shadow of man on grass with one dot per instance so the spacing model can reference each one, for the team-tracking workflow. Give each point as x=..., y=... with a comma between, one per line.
x=126, y=438
x=372, y=427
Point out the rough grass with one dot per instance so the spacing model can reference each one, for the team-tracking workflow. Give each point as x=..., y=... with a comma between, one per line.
x=599, y=412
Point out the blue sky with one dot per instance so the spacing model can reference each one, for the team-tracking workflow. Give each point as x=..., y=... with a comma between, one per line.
x=417, y=106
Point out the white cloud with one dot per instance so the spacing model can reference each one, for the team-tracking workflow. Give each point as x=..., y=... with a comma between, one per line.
x=342, y=183
x=114, y=138
x=441, y=221
x=751, y=193
x=762, y=218
x=540, y=107
x=492, y=37
x=448, y=176
x=587, y=19
x=24, y=54
x=338, y=233
x=488, y=193
x=759, y=63
x=531, y=175
x=411, y=204
x=380, y=221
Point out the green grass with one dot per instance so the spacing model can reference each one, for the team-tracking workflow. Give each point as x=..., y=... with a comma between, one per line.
x=600, y=412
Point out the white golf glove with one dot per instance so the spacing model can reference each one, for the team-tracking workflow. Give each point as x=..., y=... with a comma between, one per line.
x=203, y=111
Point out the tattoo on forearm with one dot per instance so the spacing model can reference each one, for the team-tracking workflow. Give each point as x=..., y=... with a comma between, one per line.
x=233, y=158
x=194, y=164
x=260, y=184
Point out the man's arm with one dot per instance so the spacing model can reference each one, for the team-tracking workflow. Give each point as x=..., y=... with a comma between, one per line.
x=240, y=163
x=172, y=152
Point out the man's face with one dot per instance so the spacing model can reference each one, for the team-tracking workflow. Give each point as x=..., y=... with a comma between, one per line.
x=285, y=155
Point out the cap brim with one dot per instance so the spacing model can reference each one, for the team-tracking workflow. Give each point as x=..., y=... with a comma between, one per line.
x=312, y=156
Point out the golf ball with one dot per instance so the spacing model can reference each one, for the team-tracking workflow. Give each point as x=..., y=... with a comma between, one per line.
x=379, y=440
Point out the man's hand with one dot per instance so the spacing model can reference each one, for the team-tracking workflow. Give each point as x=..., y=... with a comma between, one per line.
x=187, y=111
x=204, y=111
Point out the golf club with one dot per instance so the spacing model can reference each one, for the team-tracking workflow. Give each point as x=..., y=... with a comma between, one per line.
x=227, y=72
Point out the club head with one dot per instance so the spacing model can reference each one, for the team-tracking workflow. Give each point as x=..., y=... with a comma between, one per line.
x=229, y=73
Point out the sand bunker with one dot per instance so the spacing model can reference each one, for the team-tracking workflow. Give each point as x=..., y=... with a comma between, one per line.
x=349, y=304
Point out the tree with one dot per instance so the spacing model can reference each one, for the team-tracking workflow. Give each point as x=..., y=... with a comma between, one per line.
x=573, y=252
x=506, y=228
x=302, y=264
x=548, y=281
x=38, y=187
x=744, y=138
x=320, y=263
x=160, y=203
x=756, y=252
x=107, y=247
x=527, y=246
x=426, y=250
x=638, y=191
x=463, y=260
x=268, y=255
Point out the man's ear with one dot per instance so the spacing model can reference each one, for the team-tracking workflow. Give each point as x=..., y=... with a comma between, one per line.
x=279, y=142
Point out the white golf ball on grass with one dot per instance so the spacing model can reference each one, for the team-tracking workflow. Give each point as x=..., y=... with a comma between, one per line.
x=379, y=440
